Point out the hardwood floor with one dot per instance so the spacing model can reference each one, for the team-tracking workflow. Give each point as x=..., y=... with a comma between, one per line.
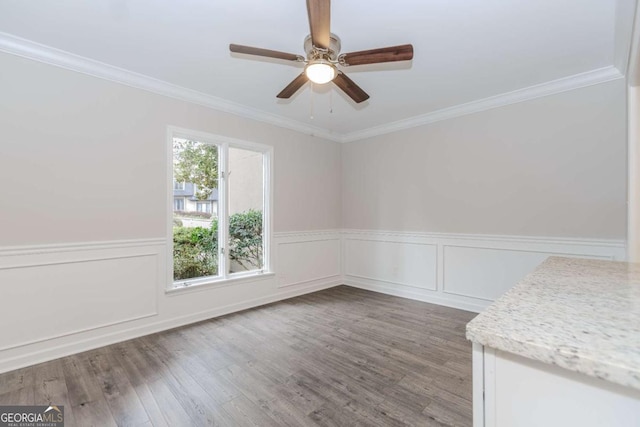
x=340, y=357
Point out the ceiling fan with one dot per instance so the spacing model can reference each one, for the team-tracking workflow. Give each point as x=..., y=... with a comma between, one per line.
x=322, y=49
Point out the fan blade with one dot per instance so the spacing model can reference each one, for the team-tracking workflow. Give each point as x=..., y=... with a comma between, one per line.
x=319, y=22
x=350, y=88
x=248, y=50
x=374, y=56
x=293, y=87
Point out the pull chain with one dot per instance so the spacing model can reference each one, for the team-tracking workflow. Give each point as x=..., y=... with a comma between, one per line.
x=331, y=101
x=311, y=101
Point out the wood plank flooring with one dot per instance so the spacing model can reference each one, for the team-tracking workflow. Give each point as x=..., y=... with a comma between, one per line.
x=340, y=357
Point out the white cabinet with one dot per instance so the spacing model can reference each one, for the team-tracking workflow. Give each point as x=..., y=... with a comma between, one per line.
x=513, y=391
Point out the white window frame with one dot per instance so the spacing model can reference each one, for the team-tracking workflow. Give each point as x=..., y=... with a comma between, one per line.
x=179, y=185
x=223, y=143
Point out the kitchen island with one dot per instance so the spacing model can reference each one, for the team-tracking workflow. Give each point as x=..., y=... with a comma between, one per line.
x=561, y=348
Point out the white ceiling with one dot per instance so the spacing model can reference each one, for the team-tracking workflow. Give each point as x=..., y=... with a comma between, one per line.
x=465, y=50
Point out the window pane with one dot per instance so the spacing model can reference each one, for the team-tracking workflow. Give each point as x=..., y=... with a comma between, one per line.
x=195, y=200
x=246, y=204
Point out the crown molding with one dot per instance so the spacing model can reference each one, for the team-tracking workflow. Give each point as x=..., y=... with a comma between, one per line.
x=60, y=58
x=576, y=81
x=49, y=55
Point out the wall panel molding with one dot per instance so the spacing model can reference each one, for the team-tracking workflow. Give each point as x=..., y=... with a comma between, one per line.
x=392, y=261
x=470, y=270
x=311, y=257
x=55, y=291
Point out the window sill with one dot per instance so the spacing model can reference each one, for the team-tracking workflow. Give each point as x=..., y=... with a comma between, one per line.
x=218, y=283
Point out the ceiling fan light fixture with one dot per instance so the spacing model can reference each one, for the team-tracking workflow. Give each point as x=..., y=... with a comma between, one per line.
x=320, y=71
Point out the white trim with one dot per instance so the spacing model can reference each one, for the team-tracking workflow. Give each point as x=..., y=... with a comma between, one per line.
x=223, y=214
x=73, y=260
x=168, y=240
x=331, y=278
x=215, y=283
x=28, y=49
x=267, y=225
x=573, y=241
x=415, y=294
x=553, y=87
x=311, y=233
x=80, y=246
x=384, y=282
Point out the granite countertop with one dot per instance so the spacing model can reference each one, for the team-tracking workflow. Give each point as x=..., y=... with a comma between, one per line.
x=579, y=314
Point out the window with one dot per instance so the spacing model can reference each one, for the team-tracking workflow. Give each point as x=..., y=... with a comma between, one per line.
x=178, y=185
x=203, y=207
x=220, y=229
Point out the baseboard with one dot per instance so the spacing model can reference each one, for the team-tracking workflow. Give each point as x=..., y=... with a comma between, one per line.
x=418, y=295
x=56, y=352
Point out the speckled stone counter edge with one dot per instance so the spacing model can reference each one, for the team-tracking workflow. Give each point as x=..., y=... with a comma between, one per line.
x=595, y=362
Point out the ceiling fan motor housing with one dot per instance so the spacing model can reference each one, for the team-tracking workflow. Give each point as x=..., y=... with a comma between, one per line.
x=331, y=54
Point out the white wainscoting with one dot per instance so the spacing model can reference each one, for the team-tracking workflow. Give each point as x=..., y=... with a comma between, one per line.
x=456, y=270
x=63, y=299
x=68, y=298
x=55, y=291
x=308, y=257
